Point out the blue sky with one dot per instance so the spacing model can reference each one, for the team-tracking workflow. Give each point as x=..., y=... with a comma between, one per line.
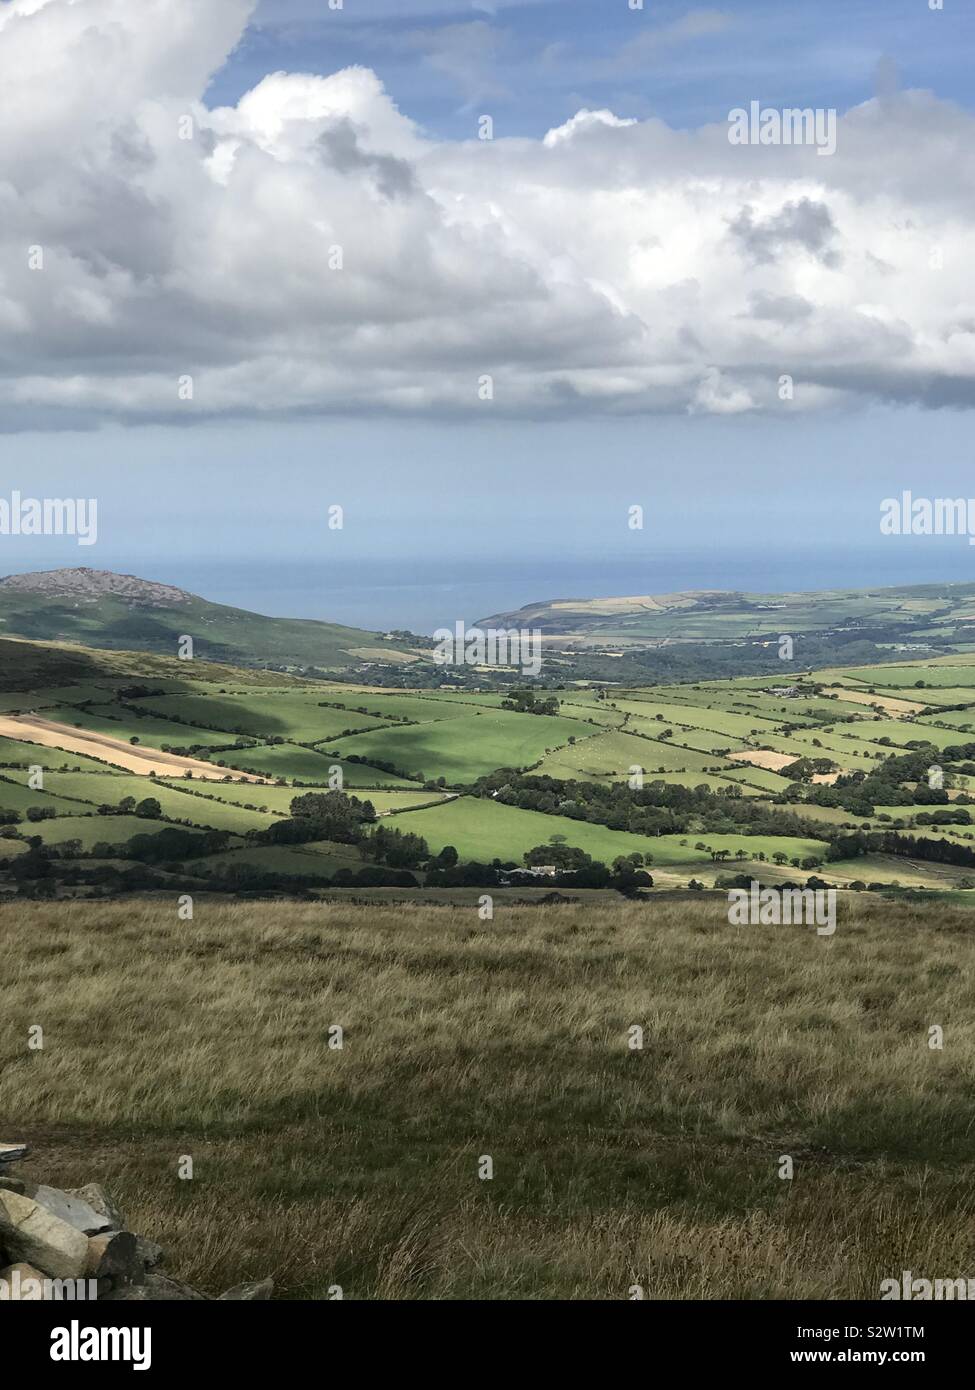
x=533, y=63
x=443, y=522
x=634, y=291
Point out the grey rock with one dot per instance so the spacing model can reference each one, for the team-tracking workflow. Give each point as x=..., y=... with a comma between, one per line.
x=156, y=1289
x=149, y=1252
x=165, y=1288
x=248, y=1293
x=30, y=1234
x=115, y=1256
x=100, y=1201
x=13, y=1153
x=71, y=1208
x=13, y=1185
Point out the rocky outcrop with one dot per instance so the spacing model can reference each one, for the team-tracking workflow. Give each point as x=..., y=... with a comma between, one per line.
x=95, y=584
x=49, y=1235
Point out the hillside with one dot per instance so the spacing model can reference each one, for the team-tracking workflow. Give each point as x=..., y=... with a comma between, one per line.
x=121, y=612
x=864, y=775
x=924, y=614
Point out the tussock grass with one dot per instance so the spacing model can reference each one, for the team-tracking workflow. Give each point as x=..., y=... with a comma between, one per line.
x=462, y=1038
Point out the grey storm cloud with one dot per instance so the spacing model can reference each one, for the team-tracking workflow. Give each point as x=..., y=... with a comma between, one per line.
x=613, y=266
x=806, y=224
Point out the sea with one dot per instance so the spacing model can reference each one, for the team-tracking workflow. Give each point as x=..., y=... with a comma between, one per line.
x=421, y=595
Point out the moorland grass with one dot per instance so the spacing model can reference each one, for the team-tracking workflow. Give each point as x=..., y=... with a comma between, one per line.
x=508, y=1038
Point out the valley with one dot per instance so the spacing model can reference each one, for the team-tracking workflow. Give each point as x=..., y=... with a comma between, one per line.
x=836, y=778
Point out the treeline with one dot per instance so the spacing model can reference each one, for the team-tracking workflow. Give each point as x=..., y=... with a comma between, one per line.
x=862, y=842
x=657, y=808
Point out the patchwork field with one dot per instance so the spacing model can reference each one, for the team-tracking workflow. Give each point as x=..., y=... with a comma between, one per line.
x=773, y=779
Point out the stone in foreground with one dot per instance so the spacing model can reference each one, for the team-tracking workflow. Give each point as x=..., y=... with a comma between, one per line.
x=13, y=1153
x=115, y=1256
x=69, y=1207
x=248, y=1293
x=30, y=1234
x=100, y=1201
x=150, y=1254
x=156, y=1289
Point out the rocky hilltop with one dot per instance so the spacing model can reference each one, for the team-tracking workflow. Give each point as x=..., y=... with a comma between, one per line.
x=95, y=584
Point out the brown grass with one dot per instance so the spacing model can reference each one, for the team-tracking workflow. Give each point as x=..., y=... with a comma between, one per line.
x=612, y=1167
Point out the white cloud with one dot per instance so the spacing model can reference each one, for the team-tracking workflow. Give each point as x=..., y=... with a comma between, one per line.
x=612, y=266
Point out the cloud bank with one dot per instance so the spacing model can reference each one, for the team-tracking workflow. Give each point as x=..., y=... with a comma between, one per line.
x=311, y=249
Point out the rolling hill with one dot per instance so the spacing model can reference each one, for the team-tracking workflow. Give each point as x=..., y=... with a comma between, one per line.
x=923, y=614
x=100, y=609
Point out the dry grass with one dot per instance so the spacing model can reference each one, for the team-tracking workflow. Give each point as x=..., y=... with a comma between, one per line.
x=30, y=728
x=612, y=1167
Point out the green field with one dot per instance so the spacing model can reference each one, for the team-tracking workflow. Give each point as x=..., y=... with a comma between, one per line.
x=309, y=765
x=483, y=829
x=120, y=722
x=94, y=829
x=297, y=717
x=109, y=788
x=468, y=747
x=15, y=795
x=614, y=753
x=695, y=806
x=15, y=753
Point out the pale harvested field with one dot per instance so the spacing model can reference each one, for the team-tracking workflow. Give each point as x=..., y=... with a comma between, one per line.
x=30, y=728
x=764, y=757
x=509, y=1039
x=860, y=697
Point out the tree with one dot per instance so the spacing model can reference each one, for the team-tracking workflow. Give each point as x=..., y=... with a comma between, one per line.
x=149, y=809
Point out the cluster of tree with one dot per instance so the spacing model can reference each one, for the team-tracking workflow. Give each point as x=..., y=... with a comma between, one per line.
x=146, y=809
x=805, y=769
x=526, y=701
x=958, y=815
x=883, y=785
x=860, y=842
x=397, y=848
x=657, y=808
x=172, y=845
x=724, y=881
x=329, y=815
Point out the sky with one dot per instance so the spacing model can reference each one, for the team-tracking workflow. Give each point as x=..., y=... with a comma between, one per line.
x=256, y=261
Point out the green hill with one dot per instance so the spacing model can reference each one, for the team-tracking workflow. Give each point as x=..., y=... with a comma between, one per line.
x=120, y=612
x=919, y=614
